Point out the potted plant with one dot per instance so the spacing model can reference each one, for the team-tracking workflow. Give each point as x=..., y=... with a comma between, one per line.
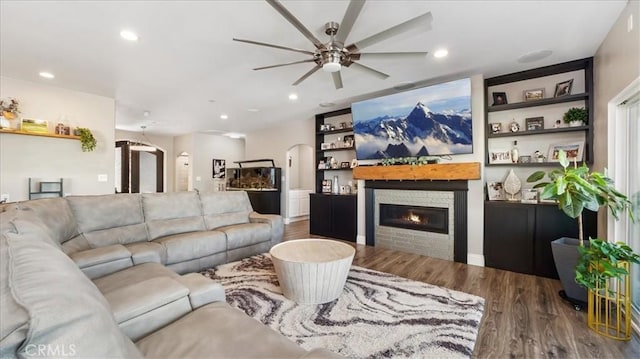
x=9, y=109
x=576, y=189
x=576, y=116
x=86, y=139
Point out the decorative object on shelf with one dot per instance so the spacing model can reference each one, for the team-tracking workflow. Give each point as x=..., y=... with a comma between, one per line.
x=576, y=117
x=534, y=123
x=325, y=127
x=576, y=189
x=345, y=189
x=414, y=161
x=514, y=127
x=218, y=169
x=558, y=124
x=512, y=185
x=87, y=140
x=495, y=191
x=326, y=186
x=348, y=141
x=334, y=163
x=515, y=154
x=343, y=125
x=59, y=129
x=539, y=157
x=563, y=88
x=495, y=127
x=4, y=123
x=9, y=108
x=529, y=196
x=325, y=146
x=335, y=187
x=354, y=163
x=500, y=156
x=525, y=159
x=572, y=150
x=345, y=165
x=321, y=165
x=532, y=95
x=34, y=126
x=499, y=98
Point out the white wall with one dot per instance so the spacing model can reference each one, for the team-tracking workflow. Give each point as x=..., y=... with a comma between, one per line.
x=165, y=143
x=46, y=158
x=202, y=149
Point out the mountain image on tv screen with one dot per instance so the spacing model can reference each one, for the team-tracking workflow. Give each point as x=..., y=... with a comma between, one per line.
x=429, y=121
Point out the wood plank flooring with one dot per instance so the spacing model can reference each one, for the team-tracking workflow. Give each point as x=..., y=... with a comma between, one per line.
x=523, y=318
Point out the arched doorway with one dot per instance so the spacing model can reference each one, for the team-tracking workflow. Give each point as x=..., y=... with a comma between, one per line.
x=139, y=168
x=299, y=181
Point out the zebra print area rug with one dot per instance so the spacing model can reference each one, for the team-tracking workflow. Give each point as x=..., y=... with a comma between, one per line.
x=379, y=315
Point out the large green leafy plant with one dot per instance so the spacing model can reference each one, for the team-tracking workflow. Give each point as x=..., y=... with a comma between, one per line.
x=575, y=188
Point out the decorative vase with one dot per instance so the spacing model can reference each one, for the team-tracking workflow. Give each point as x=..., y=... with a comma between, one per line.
x=575, y=123
x=336, y=187
x=512, y=185
x=4, y=122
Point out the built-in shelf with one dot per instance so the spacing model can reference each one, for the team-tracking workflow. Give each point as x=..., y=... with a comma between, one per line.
x=18, y=132
x=336, y=149
x=336, y=169
x=536, y=103
x=528, y=164
x=539, y=132
x=339, y=130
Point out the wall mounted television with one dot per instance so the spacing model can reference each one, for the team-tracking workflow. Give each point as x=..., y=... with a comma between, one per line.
x=429, y=121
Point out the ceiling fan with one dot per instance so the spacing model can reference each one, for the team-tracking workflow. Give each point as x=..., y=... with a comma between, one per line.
x=334, y=55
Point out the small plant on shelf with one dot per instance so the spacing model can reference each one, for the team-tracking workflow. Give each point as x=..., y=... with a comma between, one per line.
x=576, y=116
x=87, y=140
x=9, y=108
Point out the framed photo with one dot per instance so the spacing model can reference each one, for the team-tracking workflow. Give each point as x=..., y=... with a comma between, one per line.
x=495, y=191
x=534, y=123
x=218, y=169
x=348, y=140
x=529, y=196
x=326, y=186
x=495, y=127
x=563, y=88
x=325, y=146
x=573, y=150
x=345, y=164
x=354, y=163
x=499, y=98
x=532, y=95
x=34, y=126
x=500, y=156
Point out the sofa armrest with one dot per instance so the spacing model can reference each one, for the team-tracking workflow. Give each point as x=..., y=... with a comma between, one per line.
x=98, y=262
x=202, y=290
x=274, y=220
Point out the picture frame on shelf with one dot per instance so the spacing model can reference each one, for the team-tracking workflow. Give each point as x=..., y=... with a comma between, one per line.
x=345, y=164
x=495, y=191
x=343, y=125
x=533, y=95
x=563, y=88
x=499, y=156
x=574, y=151
x=325, y=146
x=529, y=196
x=34, y=126
x=348, y=140
x=321, y=165
x=326, y=185
x=499, y=98
x=534, y=123
x=495, y=127
x=219, y=168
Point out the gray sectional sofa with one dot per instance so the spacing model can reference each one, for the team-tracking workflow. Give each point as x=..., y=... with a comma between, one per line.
x=112, y=277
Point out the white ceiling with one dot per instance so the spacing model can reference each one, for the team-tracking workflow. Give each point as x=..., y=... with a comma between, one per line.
x=185, y=56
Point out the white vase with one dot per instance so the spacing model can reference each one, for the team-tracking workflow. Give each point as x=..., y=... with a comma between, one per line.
x=512, y=185
x=4, y=123
x=575, y=123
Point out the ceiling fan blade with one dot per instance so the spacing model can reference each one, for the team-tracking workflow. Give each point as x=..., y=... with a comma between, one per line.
x=295, y=22
x=304, y=77
x=274, y=46
x=280, y=65
x=373, y=55
x=337, y=79
x=350, y=16
x=424, y=19
x=374, y=72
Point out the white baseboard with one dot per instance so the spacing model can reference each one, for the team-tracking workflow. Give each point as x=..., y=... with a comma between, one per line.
x=360, y=239
x=475, y=259
x=288, y=220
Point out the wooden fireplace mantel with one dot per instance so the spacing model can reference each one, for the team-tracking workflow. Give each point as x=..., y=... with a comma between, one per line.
x=434, y=172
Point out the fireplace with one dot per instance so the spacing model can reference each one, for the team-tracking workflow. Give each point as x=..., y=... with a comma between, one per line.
x=419, y=218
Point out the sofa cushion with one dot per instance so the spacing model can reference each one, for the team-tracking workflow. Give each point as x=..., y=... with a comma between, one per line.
x=133, y=275
x=242, y=235
x=66, y=311
x=14, y=322
x=187, y=246
x=172, y=213
x=225, y=208
x=145, y=252
x=109, y=219
x=56, y=215
x=98, y=262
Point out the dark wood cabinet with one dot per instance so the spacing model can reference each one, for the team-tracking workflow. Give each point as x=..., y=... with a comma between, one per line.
x=333, y=216
x=517, y=236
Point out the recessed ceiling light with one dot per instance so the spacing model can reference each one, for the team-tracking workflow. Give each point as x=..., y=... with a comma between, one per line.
x=404, y=86
x=293, y=97
x=441, y=53
x=253, y=110
x=129, y=35
x=47, y=75
x=534, y=56
x=234, y=135
x=212, y=100
x=224, y=116
x=327, y=104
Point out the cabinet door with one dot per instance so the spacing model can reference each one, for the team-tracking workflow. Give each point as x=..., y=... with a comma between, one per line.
x=551, y=224
x=320, y=215
x=304, y=206
x=508, y=236
x=344, y=217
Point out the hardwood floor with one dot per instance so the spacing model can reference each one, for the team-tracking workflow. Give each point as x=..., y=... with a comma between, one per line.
x=523, y=316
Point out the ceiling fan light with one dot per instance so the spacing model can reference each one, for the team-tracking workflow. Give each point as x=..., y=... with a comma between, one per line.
x=331, y=67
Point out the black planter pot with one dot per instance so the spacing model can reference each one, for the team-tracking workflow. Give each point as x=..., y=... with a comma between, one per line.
x=565, y=256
